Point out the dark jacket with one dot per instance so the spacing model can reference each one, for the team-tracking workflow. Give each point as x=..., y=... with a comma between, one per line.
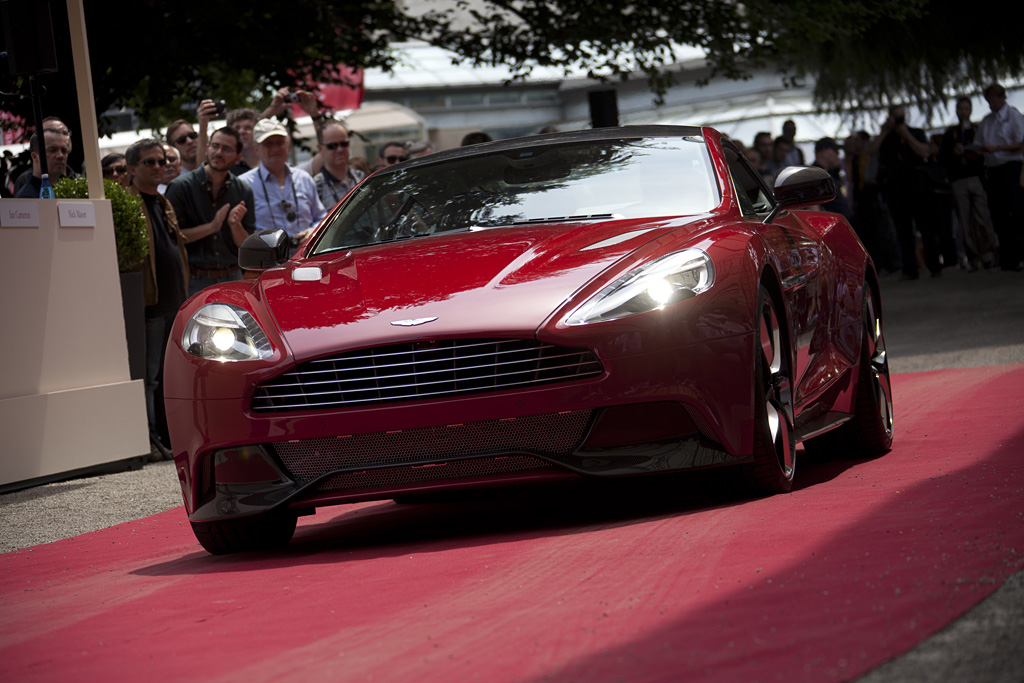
x=149, y=267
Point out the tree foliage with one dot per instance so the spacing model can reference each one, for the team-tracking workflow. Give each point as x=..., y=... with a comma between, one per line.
x=161, y=58
x=860, y=54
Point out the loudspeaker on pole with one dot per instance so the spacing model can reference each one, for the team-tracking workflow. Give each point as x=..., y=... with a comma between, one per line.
x=28, y=35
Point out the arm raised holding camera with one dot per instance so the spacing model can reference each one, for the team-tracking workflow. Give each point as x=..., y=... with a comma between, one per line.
x=207, y=111
x=284, y=96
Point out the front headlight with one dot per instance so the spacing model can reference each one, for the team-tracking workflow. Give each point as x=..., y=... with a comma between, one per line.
x=670, y=279
x=226, y=333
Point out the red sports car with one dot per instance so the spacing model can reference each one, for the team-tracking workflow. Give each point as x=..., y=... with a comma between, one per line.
x=603, y=303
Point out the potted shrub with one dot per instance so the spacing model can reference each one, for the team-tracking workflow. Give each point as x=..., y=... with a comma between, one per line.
x=132, y=248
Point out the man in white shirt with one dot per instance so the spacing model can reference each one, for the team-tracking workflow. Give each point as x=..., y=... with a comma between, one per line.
x=1001, y=138
x=285, y=196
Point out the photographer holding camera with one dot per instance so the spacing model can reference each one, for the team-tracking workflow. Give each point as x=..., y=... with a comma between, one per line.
x=902, y=151
x=284, y=97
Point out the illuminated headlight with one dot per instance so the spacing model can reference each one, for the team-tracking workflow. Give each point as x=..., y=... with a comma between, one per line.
x=670, y=279
x=226, y=333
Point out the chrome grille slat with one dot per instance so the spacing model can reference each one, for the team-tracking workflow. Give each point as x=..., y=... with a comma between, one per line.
x=453, y=392
x=313, y=373
x=462, y=356
x=402, y=372
x=468, y=378
x=463, y=344
x=439, y=360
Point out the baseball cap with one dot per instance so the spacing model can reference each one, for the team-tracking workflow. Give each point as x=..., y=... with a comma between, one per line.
x=268, y=128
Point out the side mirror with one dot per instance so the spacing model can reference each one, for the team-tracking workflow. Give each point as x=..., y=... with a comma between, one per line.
x=264, y=249
x=799, y=186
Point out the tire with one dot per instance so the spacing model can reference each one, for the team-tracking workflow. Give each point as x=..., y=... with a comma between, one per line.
x=267, y=531
x=869, y=432
x=774, y=463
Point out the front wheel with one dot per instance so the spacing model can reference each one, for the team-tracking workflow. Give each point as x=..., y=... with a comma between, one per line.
x=774, y=463
x=267, y=531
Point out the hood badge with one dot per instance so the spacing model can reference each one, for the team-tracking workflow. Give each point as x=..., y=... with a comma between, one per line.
x=413, y=321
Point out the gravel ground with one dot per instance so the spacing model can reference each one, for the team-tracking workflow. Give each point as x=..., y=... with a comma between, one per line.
x=959, y=320
x=69, y=508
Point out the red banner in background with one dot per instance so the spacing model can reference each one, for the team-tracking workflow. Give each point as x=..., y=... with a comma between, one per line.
x=346, y=93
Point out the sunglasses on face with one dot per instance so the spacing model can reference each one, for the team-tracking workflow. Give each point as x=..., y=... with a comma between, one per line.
x=335, y=145
x=115, y=170
x=394, y=159
x=153, y=161
x=180, y=140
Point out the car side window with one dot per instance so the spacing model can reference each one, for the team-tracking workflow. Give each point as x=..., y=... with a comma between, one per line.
x=753, y=196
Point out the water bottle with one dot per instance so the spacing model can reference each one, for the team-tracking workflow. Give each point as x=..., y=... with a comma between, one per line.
x=46, y=189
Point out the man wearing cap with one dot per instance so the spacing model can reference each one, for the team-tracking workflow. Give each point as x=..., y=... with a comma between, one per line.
x=213, y=210
x=826, y=156
x=285, y=197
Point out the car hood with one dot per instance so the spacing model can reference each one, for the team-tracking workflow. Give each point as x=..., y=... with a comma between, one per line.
x=497, y=281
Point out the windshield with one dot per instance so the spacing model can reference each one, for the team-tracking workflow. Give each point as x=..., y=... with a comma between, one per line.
x=637, y=178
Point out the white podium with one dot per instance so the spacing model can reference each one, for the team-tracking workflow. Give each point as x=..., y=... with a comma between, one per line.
x=67, y=403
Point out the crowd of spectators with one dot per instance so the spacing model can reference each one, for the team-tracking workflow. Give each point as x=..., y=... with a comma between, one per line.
x=954, y=199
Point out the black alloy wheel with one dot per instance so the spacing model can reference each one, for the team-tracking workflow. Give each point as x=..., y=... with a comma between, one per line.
x=774, y=462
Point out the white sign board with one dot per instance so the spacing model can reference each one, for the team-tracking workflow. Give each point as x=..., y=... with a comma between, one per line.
x=15, y=214
x=76, y=215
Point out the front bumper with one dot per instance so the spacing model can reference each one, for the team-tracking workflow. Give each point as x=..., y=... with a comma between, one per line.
x=666, y=411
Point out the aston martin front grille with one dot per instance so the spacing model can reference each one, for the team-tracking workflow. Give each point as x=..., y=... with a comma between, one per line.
x=421, y=370
x=552, y=433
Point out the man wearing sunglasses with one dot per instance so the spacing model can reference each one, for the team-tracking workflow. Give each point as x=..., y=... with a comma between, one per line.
x=213, y=210
x=285, y=197
x=390, y=154
x=183, y=136
x=336, y=178
x=115, y=168
x=165, y=276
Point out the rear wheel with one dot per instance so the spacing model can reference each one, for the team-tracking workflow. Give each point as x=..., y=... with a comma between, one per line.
x=774, y=463
x=266, y=531
x=870, y=430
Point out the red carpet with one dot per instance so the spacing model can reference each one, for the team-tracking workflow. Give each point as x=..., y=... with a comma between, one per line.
x=863, y=562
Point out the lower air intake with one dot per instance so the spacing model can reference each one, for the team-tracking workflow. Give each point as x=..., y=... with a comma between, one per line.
x=553, y=433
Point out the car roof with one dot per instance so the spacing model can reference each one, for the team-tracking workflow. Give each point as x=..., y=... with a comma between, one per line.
x=525, y=142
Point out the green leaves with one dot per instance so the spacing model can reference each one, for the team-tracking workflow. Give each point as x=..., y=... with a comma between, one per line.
x=129, y=222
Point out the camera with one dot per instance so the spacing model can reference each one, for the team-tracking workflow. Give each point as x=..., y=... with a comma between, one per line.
x=292, y=97
x=222, y=109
